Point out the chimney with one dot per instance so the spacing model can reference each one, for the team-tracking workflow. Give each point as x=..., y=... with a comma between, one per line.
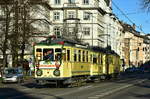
x=134, y=26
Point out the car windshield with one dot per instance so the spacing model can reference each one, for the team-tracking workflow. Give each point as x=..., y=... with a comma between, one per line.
x=10, y=71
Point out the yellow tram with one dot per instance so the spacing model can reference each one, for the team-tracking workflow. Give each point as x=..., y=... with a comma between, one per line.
x=72, y=62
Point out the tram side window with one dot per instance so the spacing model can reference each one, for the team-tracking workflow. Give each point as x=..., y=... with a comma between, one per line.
x=87, y=55
x=68, y=55
x=91, y=56
x=64, y=54
x=79, y=57
x=38, y=54
x=109, y=59
x=94, y=59
x=114, y=60
x=75, y=55
x=83, y=56
x=99, y=59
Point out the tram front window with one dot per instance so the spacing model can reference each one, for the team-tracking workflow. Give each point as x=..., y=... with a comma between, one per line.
x=48, y=54
x=38, y=54
x=58, y=53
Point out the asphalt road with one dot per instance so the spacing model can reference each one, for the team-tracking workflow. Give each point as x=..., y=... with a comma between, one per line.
x=113, y=89
x=138, y=91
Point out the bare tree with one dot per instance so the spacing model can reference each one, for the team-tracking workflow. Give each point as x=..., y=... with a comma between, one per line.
x=146, y=4
x=19, y=26
x=5, y=19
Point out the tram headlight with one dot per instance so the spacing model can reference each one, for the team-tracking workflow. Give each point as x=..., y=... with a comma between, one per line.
x=39, y=72
x=56, y=72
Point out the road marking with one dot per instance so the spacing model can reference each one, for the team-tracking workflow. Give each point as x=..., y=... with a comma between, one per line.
x=115, y=90
x=85, y=87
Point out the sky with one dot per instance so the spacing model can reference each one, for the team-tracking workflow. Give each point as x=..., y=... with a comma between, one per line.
x=133, y=10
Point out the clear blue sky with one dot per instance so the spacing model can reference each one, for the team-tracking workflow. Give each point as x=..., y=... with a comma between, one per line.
x=133, y=9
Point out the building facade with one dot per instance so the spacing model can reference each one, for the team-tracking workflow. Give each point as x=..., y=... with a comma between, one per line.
x=135, y=47
x=79, y=19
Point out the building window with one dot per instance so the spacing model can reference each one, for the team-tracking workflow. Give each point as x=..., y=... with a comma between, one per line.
x=57, y=31
x=86, y=16
x=86, y=31
x=71, y=1
x=86, y=2
x=71, y=14
x=71, y=31
x=56, y=15
x=57, y=2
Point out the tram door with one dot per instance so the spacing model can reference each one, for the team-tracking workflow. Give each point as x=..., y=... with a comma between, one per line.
x=67, y=62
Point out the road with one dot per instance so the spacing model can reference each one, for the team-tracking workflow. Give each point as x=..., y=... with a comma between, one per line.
x=129, y=86
x=138, y=91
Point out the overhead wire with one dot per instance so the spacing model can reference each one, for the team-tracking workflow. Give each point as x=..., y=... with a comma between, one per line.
x=125, y=15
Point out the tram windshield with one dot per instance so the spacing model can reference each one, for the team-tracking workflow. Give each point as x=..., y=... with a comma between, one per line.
x=48, y=54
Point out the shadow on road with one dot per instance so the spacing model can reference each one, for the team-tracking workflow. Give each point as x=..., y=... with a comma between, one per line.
x=141, y=96
x=11, y=93
x=34, y=85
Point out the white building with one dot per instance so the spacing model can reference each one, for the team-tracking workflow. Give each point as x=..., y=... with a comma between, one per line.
x=114, y=31
x=82, y=19
x=90, y=21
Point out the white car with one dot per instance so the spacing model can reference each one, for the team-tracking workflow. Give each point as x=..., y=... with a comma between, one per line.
x=12, y=75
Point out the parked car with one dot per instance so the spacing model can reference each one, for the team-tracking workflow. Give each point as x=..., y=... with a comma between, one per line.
x=12, y=75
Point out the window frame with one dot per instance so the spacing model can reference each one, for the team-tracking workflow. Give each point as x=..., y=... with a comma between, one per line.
x=86, y=16
x=71, y=14
x=86, y=2
x=57, y=31
x=75, y=55
x=79, y=56
x=87, y=56
x=56, y=15
x=83, y=56
x=71, y=1
x=68, y=55
x=57, y=2
x=86, y=31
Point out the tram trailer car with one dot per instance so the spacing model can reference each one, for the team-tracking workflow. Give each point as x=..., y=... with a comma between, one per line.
x=72, y=63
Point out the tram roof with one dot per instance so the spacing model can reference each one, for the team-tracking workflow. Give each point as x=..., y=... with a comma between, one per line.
x=70, y=42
